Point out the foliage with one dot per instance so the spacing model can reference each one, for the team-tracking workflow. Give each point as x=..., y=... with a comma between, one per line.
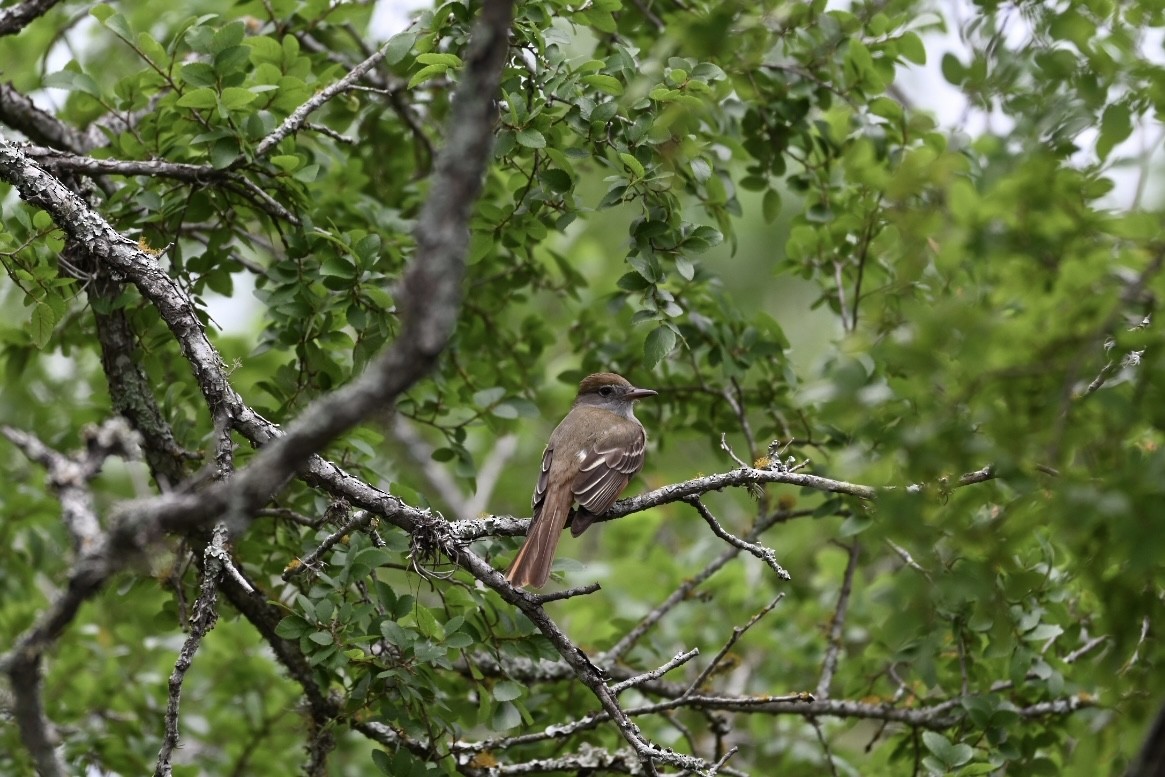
x=733, y=203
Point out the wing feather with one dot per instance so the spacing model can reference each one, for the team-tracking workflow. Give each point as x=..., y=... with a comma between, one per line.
x=606, y=467
x=543, y=480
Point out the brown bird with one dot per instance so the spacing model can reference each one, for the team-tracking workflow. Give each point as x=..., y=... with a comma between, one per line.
x=590, y=457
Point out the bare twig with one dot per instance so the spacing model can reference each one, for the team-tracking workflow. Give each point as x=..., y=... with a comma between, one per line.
x=1085, y=649
x=737, y=633
x=816, y=724
x=201, y=622
x=360, y=520
x=678, y=660
x=907, y=559
x=764, y=554
x=718, y=767
x=724, y=446
x=648, y=14
x=569, y=593
x=19, y=112
x=1136, y=656
x=299, y=116
x=837, y=625
x=683, y=592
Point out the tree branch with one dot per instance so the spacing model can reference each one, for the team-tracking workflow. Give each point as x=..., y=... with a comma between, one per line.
x=36, y=731
x=201, y=622
x=504, y=526
x=837, y=626
x=16, y=18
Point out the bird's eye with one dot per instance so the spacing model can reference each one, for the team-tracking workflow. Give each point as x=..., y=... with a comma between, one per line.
x=606, y=391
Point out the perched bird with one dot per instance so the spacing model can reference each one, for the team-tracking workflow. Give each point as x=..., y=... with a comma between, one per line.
x=591, y=455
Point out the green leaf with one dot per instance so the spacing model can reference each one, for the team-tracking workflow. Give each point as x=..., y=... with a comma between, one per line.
x=72, y=81
x=292, y=627
x=658, y=345
x=43, y=321
x=1043, y=632
x=399, y=46
x=506, y=690
x=101, y=12
x=531, y=138
x=286, y=162
x=117, y=23
x=337, y=266
x=152, y=50
x=384, y=762
x=950, y=755
x=198, y=74
x=223, y=153
x=604, y=83
x=426, y=73
x=434, y=58
x=910, y=46
x=855, y=523
x=307, y=173
x=203, y=97
x=321, y=637
x=505, y=717
x=556, y=180
x=1115, y=128
x=633, y=281
x=771, y=205
x=234, y=97
x=632, y=164
x=953, y=70
x=229, y=35
x=428, y=624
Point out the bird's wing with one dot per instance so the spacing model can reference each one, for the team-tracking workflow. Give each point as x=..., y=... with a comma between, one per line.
x=604, y=469
x=543, y=479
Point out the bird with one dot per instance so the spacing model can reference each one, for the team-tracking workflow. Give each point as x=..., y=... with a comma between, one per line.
x=590, y=457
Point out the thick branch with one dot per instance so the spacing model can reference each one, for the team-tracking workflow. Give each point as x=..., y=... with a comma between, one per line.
x=16, y=18
x=36, y=732
x=432, y=288
x=19, y=112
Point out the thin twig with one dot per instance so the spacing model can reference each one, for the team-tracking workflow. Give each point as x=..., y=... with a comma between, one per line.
x=716, y=767
x=724, y=446
x=204, y=617
x=541, y=599
x=359, y=521
x=1084, y=649
x=907, y=558
x=737, y=633
x=824, y=745
x=678, y=660
x=684, y=590
x=764, y=554
x=299, y=116
x=837, y=626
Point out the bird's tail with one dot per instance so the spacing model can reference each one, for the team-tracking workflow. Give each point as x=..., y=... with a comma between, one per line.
x=531, y=567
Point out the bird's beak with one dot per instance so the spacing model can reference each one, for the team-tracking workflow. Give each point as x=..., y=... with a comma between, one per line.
x=638, y=393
